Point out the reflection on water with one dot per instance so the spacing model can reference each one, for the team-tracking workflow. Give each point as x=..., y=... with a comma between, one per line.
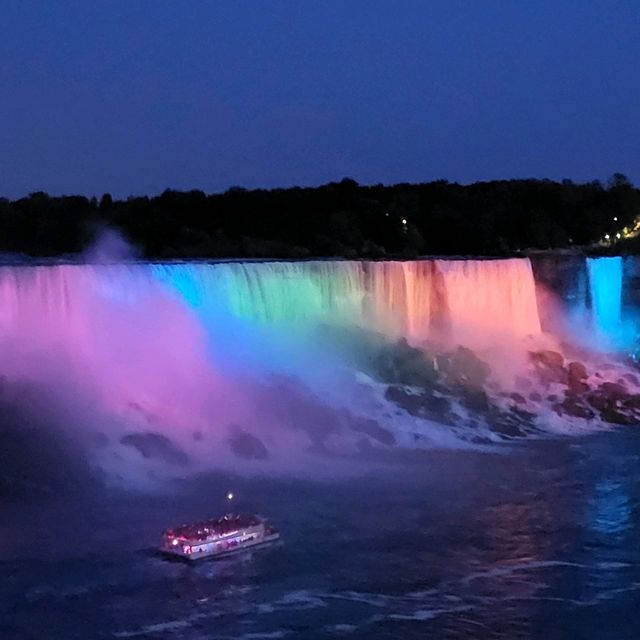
x=541, y=543
x=610, y=512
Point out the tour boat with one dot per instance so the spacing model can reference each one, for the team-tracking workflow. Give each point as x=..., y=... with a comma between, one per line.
x=216, y=538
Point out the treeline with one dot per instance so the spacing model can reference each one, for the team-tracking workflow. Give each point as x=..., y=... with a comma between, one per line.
x=338, y=219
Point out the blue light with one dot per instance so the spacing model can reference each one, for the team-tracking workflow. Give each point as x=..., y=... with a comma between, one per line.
x=605, y=283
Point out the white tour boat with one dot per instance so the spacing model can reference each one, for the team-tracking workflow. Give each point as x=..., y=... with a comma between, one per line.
x=216, y=538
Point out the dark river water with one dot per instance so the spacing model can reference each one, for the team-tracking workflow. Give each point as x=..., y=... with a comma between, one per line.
x=535, y=541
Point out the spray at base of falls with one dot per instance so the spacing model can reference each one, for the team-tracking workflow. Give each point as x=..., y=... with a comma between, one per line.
x=184, y=366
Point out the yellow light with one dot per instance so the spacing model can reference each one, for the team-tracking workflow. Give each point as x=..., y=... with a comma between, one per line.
x=618, y=236
x=606, y=236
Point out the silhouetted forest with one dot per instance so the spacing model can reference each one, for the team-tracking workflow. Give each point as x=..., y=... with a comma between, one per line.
x=338, y=219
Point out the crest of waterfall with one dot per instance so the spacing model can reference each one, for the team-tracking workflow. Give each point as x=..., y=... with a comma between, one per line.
x=73, y=305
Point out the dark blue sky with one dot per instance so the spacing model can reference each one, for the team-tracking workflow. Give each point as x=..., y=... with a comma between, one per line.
x=134, y=96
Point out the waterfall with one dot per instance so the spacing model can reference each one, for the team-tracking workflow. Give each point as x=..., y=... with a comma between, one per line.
x=605, y=287
x=193, y=352
x=51, y=305
x=490, y=298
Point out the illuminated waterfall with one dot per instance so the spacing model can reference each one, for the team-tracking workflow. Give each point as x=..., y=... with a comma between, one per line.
x=71, y=302
x=154, y=328
x=490, y=298
x=605, y=286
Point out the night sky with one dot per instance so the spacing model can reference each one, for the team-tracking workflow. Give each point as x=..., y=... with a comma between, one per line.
x=132, y=97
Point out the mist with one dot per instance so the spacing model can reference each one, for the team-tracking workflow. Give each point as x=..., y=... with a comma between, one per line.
x=155, y=372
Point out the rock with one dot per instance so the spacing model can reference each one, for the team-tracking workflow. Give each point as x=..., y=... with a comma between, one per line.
x=475, y=399
x=597, y=401
x=577, y=371
x=247, y=446
x=548, y=359
x=576, y=387
x=466, y=368
x=552, y=398
x=410, y=402
x=155, y=445
x=632, y=402
x=374, y=430
x=572, y=406
x=516, y=397
x=630, y=377
x=436, y=405
x=399, y=363
x=615, y=416
x=535, y=396
x=613, y=390
x=549, y=366
x=512, y=423
x=424, y=405
x=409, y=365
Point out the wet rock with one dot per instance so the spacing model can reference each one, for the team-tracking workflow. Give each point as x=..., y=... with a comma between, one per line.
x=403, y=364
x=597, y=401
x=574, y=407
x=577, y=387
x=247, y=446
x=516, y=397
x=548, y=359
x=424, y=405
x=615, y=416
x=632, y=402
x=374, y=431
x=550, y=366
x=475, y=399
x=410, y=402
x=511, y=424
x=509, y=429
x=467, y=369
x=156, y=446
x=613, y=390
x=393, y=363
x=552, y=398
x=436, y=405
x=577, y=371
x=535, y=396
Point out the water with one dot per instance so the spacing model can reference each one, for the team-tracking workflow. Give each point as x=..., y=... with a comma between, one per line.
x=605, y=285
x=540, y=541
